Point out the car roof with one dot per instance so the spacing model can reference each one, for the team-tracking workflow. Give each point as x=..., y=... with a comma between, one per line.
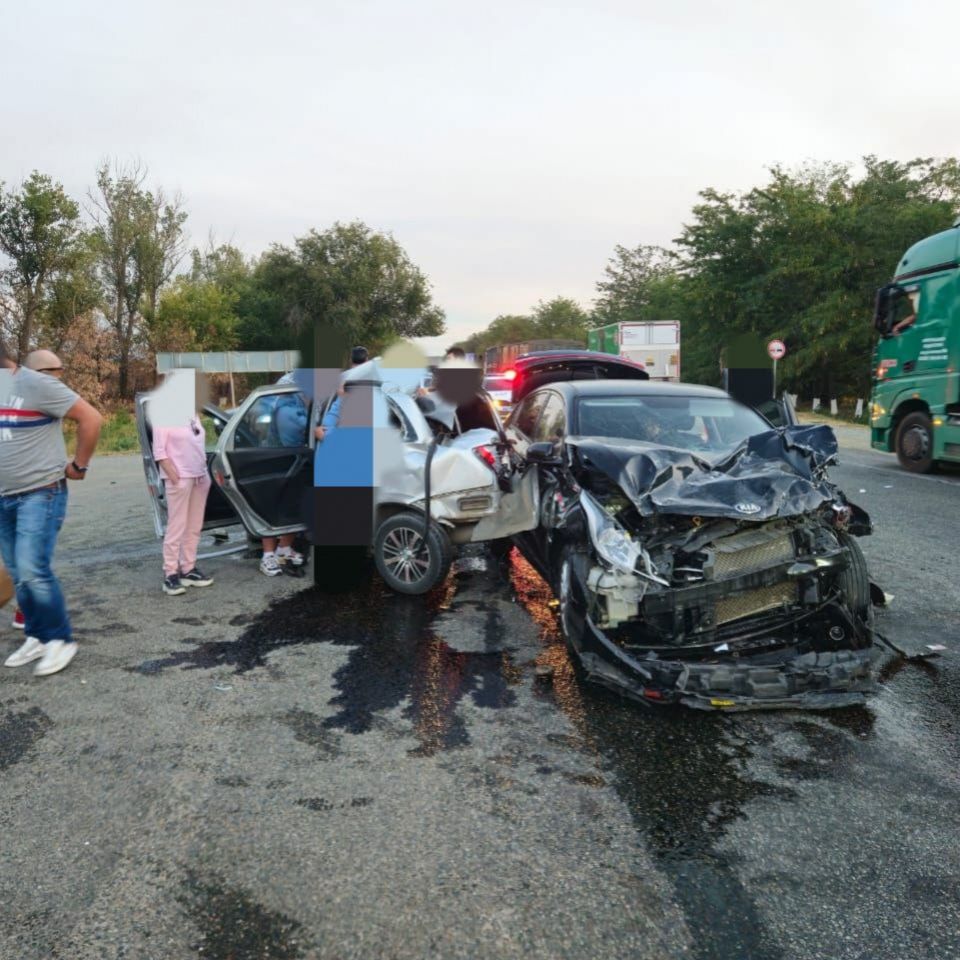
x=645, y=388
x=546, y=356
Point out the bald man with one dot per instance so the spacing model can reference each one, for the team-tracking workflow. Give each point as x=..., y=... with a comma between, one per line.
x=44, y=361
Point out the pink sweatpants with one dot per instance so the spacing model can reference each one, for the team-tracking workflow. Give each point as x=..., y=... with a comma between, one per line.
x=185, y=503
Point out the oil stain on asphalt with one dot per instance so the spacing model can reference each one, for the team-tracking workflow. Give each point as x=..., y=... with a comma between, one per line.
x=232, y=926
x=20, y=731
x=395, y=657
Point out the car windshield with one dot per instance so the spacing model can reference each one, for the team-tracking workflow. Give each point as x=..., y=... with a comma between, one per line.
x=698, y=424
x=493, y=384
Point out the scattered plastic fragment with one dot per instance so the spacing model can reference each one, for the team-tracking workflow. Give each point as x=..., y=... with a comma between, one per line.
x=222, y=687
x=722, y=648
x=936, y=647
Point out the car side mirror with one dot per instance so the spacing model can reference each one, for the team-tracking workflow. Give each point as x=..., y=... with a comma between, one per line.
x=544, y=453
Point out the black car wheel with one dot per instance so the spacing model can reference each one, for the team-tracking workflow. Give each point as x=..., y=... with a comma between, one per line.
x=854, y=582
x=914, y=443
x=570, y=606
x=400, y=560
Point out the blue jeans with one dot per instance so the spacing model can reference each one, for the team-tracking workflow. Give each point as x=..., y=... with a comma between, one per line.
x=29, y=524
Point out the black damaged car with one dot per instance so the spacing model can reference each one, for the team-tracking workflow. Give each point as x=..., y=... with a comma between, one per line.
x=699, y=555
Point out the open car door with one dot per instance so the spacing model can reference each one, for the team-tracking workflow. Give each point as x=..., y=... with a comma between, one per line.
x=780, y=413
x=219, y=512
x=263, y=463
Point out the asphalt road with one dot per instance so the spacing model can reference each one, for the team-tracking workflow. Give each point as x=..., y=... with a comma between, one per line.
x=260, y=771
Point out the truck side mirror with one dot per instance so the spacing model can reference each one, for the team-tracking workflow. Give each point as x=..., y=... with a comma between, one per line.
x=883, y=311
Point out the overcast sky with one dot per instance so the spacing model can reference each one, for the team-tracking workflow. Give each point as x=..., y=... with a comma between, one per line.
x=508, y=146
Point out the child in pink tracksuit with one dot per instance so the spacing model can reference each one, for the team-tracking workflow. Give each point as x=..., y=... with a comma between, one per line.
x=181, y=454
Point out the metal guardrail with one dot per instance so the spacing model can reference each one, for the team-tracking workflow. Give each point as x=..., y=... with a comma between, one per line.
x=252, y=361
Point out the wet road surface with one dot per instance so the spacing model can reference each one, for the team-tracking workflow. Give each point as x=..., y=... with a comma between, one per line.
x=369, y=775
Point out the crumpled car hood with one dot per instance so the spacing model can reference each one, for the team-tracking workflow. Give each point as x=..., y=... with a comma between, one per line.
x=773, y=474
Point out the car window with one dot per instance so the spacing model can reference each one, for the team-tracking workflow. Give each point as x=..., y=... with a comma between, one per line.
x=273, y=420
x=702, y=424
x=526, y=416
x=399, y=421
x=212, y=428
x=552, y=423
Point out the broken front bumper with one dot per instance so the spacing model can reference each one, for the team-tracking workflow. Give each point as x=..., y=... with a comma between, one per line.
x=764, y=680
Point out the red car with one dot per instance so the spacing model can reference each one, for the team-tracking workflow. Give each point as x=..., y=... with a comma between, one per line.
x=533, y=370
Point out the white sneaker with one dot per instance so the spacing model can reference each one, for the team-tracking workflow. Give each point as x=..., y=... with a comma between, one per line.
x=269, y=565
x=30, y=649
x=56, y=655
x=289, y=555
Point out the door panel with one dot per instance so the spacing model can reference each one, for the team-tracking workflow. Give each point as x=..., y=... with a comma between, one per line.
x=264, y=461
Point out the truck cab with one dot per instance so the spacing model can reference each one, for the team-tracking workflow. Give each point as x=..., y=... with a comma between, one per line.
x=915, y=401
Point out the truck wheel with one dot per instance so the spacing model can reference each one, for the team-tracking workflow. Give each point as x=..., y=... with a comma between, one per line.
x=399, y=559
x=915, y=443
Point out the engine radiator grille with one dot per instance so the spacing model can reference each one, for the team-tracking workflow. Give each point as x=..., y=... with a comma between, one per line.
x=754, y=601
x=748, y=552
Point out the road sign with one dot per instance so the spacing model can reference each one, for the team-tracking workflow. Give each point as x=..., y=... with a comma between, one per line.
x=777, y=349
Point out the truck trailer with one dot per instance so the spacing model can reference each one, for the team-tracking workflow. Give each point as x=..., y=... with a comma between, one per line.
x=656, y=345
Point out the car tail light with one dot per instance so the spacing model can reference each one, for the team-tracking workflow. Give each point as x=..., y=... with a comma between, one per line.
x=652, y=694
x=509, y=374
x=488, y=456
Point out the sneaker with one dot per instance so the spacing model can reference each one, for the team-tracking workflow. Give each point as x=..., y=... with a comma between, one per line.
x=195, y=579
x=56, y=655
x=31, y=649
x=172, y=586
x=269, y=566
x=18, y=620
x=289, y=555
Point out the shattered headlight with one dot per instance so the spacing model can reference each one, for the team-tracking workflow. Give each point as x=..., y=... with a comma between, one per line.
x=613, y=543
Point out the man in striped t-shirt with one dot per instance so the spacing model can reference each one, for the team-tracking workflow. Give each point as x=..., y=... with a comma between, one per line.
x=33, y=502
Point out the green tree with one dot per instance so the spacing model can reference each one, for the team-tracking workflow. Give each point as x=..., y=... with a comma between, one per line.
x=137, y=238
x=196, y=315
x=800, y=259
x=350, y=278
x=560, y=318
x=39, y=234
x=637, y=286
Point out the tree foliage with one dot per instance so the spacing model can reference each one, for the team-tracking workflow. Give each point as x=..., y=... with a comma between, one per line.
x=39, y=237
x=349, y=278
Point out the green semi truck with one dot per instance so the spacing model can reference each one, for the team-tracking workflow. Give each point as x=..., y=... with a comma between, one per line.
x=915, y=401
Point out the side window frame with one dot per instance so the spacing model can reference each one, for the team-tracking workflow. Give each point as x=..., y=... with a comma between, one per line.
x=529, y=401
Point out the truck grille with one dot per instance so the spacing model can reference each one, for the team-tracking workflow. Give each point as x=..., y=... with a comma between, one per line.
x=754, y=601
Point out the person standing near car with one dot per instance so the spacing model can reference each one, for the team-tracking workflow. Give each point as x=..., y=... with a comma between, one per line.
x=288, y=429
x=42, y=361
x=33, y=500
x=181, y=453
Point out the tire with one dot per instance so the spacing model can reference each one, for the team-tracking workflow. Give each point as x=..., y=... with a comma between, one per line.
x=914, y=443
x=570, y=612
x=854, y=582
x=394, y=552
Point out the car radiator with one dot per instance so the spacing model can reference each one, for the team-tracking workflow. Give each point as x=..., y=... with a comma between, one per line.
x=748, y=553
